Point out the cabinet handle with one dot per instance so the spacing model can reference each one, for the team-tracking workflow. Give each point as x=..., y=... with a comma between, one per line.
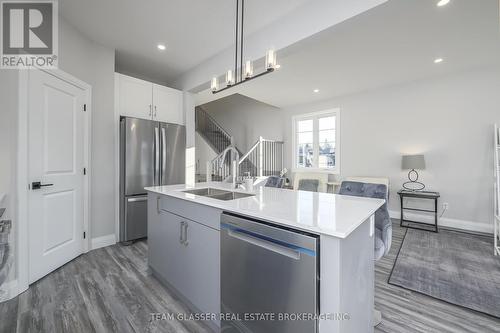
x=181, y=236
x=185, y=234
x=150, y=110
x=155, y=111
x=158, y=205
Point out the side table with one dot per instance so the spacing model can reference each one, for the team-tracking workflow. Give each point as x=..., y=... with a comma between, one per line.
x=425, y=195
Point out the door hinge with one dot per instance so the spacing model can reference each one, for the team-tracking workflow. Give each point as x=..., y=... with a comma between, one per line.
x=84, y=171
x=84, y=235
x=84, y=107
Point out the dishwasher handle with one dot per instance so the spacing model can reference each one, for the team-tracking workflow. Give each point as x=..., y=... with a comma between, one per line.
x=264, y=243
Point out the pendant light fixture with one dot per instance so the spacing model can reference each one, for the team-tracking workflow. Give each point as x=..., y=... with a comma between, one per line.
x=242, y=71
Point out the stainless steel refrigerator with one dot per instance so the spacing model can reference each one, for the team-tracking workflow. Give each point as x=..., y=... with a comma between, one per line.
x=151, y=153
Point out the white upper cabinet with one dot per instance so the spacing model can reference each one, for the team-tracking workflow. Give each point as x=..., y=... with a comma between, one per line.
x=142, y=99
x=134, y=97
x=167, y=104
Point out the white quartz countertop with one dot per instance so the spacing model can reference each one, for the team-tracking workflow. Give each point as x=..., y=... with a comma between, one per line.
x=320, y=213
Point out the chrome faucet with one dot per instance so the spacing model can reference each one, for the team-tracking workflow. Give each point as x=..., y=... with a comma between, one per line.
x=234, y=163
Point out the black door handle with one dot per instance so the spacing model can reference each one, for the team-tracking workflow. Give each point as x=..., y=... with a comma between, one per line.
x=39, y=185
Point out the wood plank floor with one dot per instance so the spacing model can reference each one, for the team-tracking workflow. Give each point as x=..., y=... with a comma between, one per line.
x=110, y=290
x=407, y=311
x=106, y=290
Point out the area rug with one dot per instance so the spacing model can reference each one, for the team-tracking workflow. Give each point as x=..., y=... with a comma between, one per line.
x=455, y=267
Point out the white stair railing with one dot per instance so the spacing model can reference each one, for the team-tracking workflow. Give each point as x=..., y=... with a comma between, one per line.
x=264, y=158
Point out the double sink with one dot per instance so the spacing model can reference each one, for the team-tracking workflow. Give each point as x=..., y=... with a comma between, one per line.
x=218, y=194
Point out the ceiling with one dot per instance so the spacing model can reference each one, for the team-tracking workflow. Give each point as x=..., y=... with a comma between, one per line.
x=192, y=30
x=390, y=44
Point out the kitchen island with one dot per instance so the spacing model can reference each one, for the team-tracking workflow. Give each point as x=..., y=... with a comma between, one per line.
x=187, y=240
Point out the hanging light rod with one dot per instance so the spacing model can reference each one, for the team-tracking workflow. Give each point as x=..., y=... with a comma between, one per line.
x=240, y=82
x=233, y=78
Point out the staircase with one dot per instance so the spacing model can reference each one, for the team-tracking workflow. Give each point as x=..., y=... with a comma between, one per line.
x=211, y=131
x=265, y=158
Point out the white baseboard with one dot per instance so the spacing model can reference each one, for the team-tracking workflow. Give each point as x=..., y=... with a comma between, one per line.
x=103, y=241
x=472, y=226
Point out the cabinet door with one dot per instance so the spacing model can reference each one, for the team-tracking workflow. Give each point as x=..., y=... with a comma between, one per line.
x=167, y=256
x=202, y=275
x=167, y=105
x=134, y=97
x=192, y=266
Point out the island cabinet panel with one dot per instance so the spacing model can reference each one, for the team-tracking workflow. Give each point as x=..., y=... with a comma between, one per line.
x=200, y=213
x=184, y=254
x=164, y=248
x=201, y=283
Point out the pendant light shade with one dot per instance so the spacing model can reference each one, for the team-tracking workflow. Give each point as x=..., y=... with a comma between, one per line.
x=270, y=60
x=243, y=71
x=229, y=78
x=248, y=69
x=214, y=85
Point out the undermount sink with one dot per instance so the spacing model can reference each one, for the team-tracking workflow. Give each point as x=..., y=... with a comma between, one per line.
x=231, y=196
x=218, y=194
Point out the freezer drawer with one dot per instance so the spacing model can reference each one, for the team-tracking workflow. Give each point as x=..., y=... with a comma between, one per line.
x=267, y=270
x=136, y=213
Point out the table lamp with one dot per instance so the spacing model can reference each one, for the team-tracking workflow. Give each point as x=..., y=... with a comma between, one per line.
x=413, y=163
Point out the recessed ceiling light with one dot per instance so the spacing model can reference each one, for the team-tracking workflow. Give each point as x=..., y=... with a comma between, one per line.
x=316, y=90
x=277, y=66
x=442, y=3
x=161, y=47
x=438, y=60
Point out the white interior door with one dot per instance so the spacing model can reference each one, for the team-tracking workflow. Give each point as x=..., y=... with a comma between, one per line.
x=56, y=160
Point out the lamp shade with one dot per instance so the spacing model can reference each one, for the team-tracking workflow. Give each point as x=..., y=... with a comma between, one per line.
x=413, y=162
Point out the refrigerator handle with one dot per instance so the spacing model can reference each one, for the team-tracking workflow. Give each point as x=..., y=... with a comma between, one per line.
x=157, y=158
x=163, y=154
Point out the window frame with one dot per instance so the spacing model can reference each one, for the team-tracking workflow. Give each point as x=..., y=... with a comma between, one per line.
x=315, y=116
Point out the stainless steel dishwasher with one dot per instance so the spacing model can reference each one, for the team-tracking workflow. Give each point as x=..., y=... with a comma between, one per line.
x=269, y=278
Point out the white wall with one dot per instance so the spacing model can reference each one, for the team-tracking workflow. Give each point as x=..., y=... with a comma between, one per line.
x=246, y=119
x=8, y=124
x=449, y=119
x=95, y=64
x=302, y=22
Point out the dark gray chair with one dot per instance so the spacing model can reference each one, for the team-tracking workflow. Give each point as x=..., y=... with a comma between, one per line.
x=275, y=181
x=311, y=185
x=383, y=224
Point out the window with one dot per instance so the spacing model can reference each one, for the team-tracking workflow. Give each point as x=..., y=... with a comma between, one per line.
x=317, y=141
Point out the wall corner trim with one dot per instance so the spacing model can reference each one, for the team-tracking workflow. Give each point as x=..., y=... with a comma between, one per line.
x=103, y=241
